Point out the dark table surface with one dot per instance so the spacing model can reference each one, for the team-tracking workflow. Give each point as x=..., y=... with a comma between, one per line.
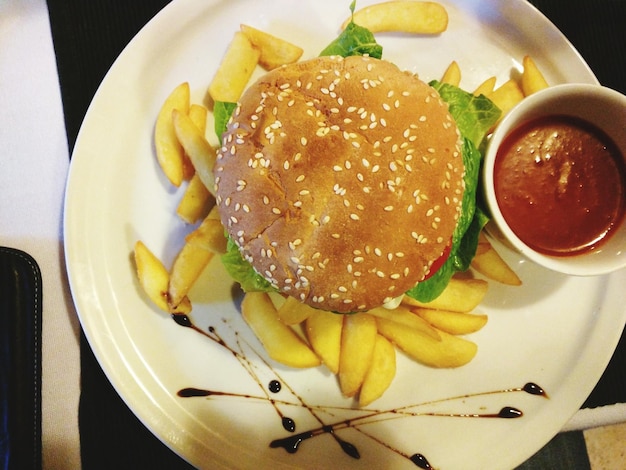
x=89, y=35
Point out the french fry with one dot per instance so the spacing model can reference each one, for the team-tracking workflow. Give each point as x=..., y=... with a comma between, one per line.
x=323, y=329
x=451, y=351
x=460, y=295
x=293, y=311
x=209, y=236
x=452, y=75
x=200, y=152
x=506, y=96
x=381, y=372
x=489, y=263
x=486, y=87
x=198, y=115
x=358, y=338
x=274, y=51
x=196, y=201
x=414, y=17
x=170, y=154
x=154, y=279
x=404, y=316
x=532, y=78
x=280, y=342
x=235, y=70
x=455, y=323
x=277, y=299
x=187, y=268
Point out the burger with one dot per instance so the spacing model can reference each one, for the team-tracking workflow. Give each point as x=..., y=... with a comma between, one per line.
x=341, y=181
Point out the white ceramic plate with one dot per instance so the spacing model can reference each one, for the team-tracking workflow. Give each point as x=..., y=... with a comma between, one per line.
x=556, y=331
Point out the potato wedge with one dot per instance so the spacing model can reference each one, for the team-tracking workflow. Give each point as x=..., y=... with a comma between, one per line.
x=323, y=329
x=200, y=152
x=169, y=151
x=455, y=323
x=209, y=236
x=381, y=372
x=198, y=115
x=486, y=87
x=452, y=75
x=196, y=202
x=451, y=351
x=281, y=343
x=187, y=268
x=277, y=299
x=532, y=78
x=490, y=264
x=403, y=16
x=403, y=315
x=274, y=51
x=460, y=295
x=293, y=312
x=358, y=338
x=235, y=69
x=506, y=96
x=154, y=279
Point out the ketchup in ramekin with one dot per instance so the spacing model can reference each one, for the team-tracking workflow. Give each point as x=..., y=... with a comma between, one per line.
x=560, y=183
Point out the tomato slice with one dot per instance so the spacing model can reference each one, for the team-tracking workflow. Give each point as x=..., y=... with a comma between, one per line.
x=439, y=261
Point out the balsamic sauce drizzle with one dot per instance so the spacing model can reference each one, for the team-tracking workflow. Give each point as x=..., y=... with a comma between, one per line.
x=358, y=422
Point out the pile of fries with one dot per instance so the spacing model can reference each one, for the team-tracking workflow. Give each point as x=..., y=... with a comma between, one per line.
x=359, y=348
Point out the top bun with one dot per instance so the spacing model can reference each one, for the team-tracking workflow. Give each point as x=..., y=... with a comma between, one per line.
x=341, y=180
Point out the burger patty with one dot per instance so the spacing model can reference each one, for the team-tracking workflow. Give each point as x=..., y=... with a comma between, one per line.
x=340, y=180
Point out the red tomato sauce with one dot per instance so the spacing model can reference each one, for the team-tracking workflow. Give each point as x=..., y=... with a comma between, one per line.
x=560, y=184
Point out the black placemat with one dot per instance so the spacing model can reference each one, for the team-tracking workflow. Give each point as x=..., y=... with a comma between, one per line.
x=89, y=35
x=21, y=298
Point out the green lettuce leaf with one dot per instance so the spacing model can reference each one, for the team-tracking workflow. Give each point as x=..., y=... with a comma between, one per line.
x=354, y=40
x=222, y=111
x=474, y=115
x=242, y=271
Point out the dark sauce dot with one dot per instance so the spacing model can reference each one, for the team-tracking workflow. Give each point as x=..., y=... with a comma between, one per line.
x=275, y=386
x=534, y=389
x=349, y=448
x=420, y=461
x=290, y=444
x=289, y=424
x=182, y=320
x=193, y=392
x=510, y=412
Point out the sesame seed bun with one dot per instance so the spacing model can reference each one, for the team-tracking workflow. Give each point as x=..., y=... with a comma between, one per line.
x=341, y=180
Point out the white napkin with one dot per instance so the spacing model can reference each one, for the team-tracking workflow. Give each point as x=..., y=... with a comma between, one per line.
x=33, y=149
